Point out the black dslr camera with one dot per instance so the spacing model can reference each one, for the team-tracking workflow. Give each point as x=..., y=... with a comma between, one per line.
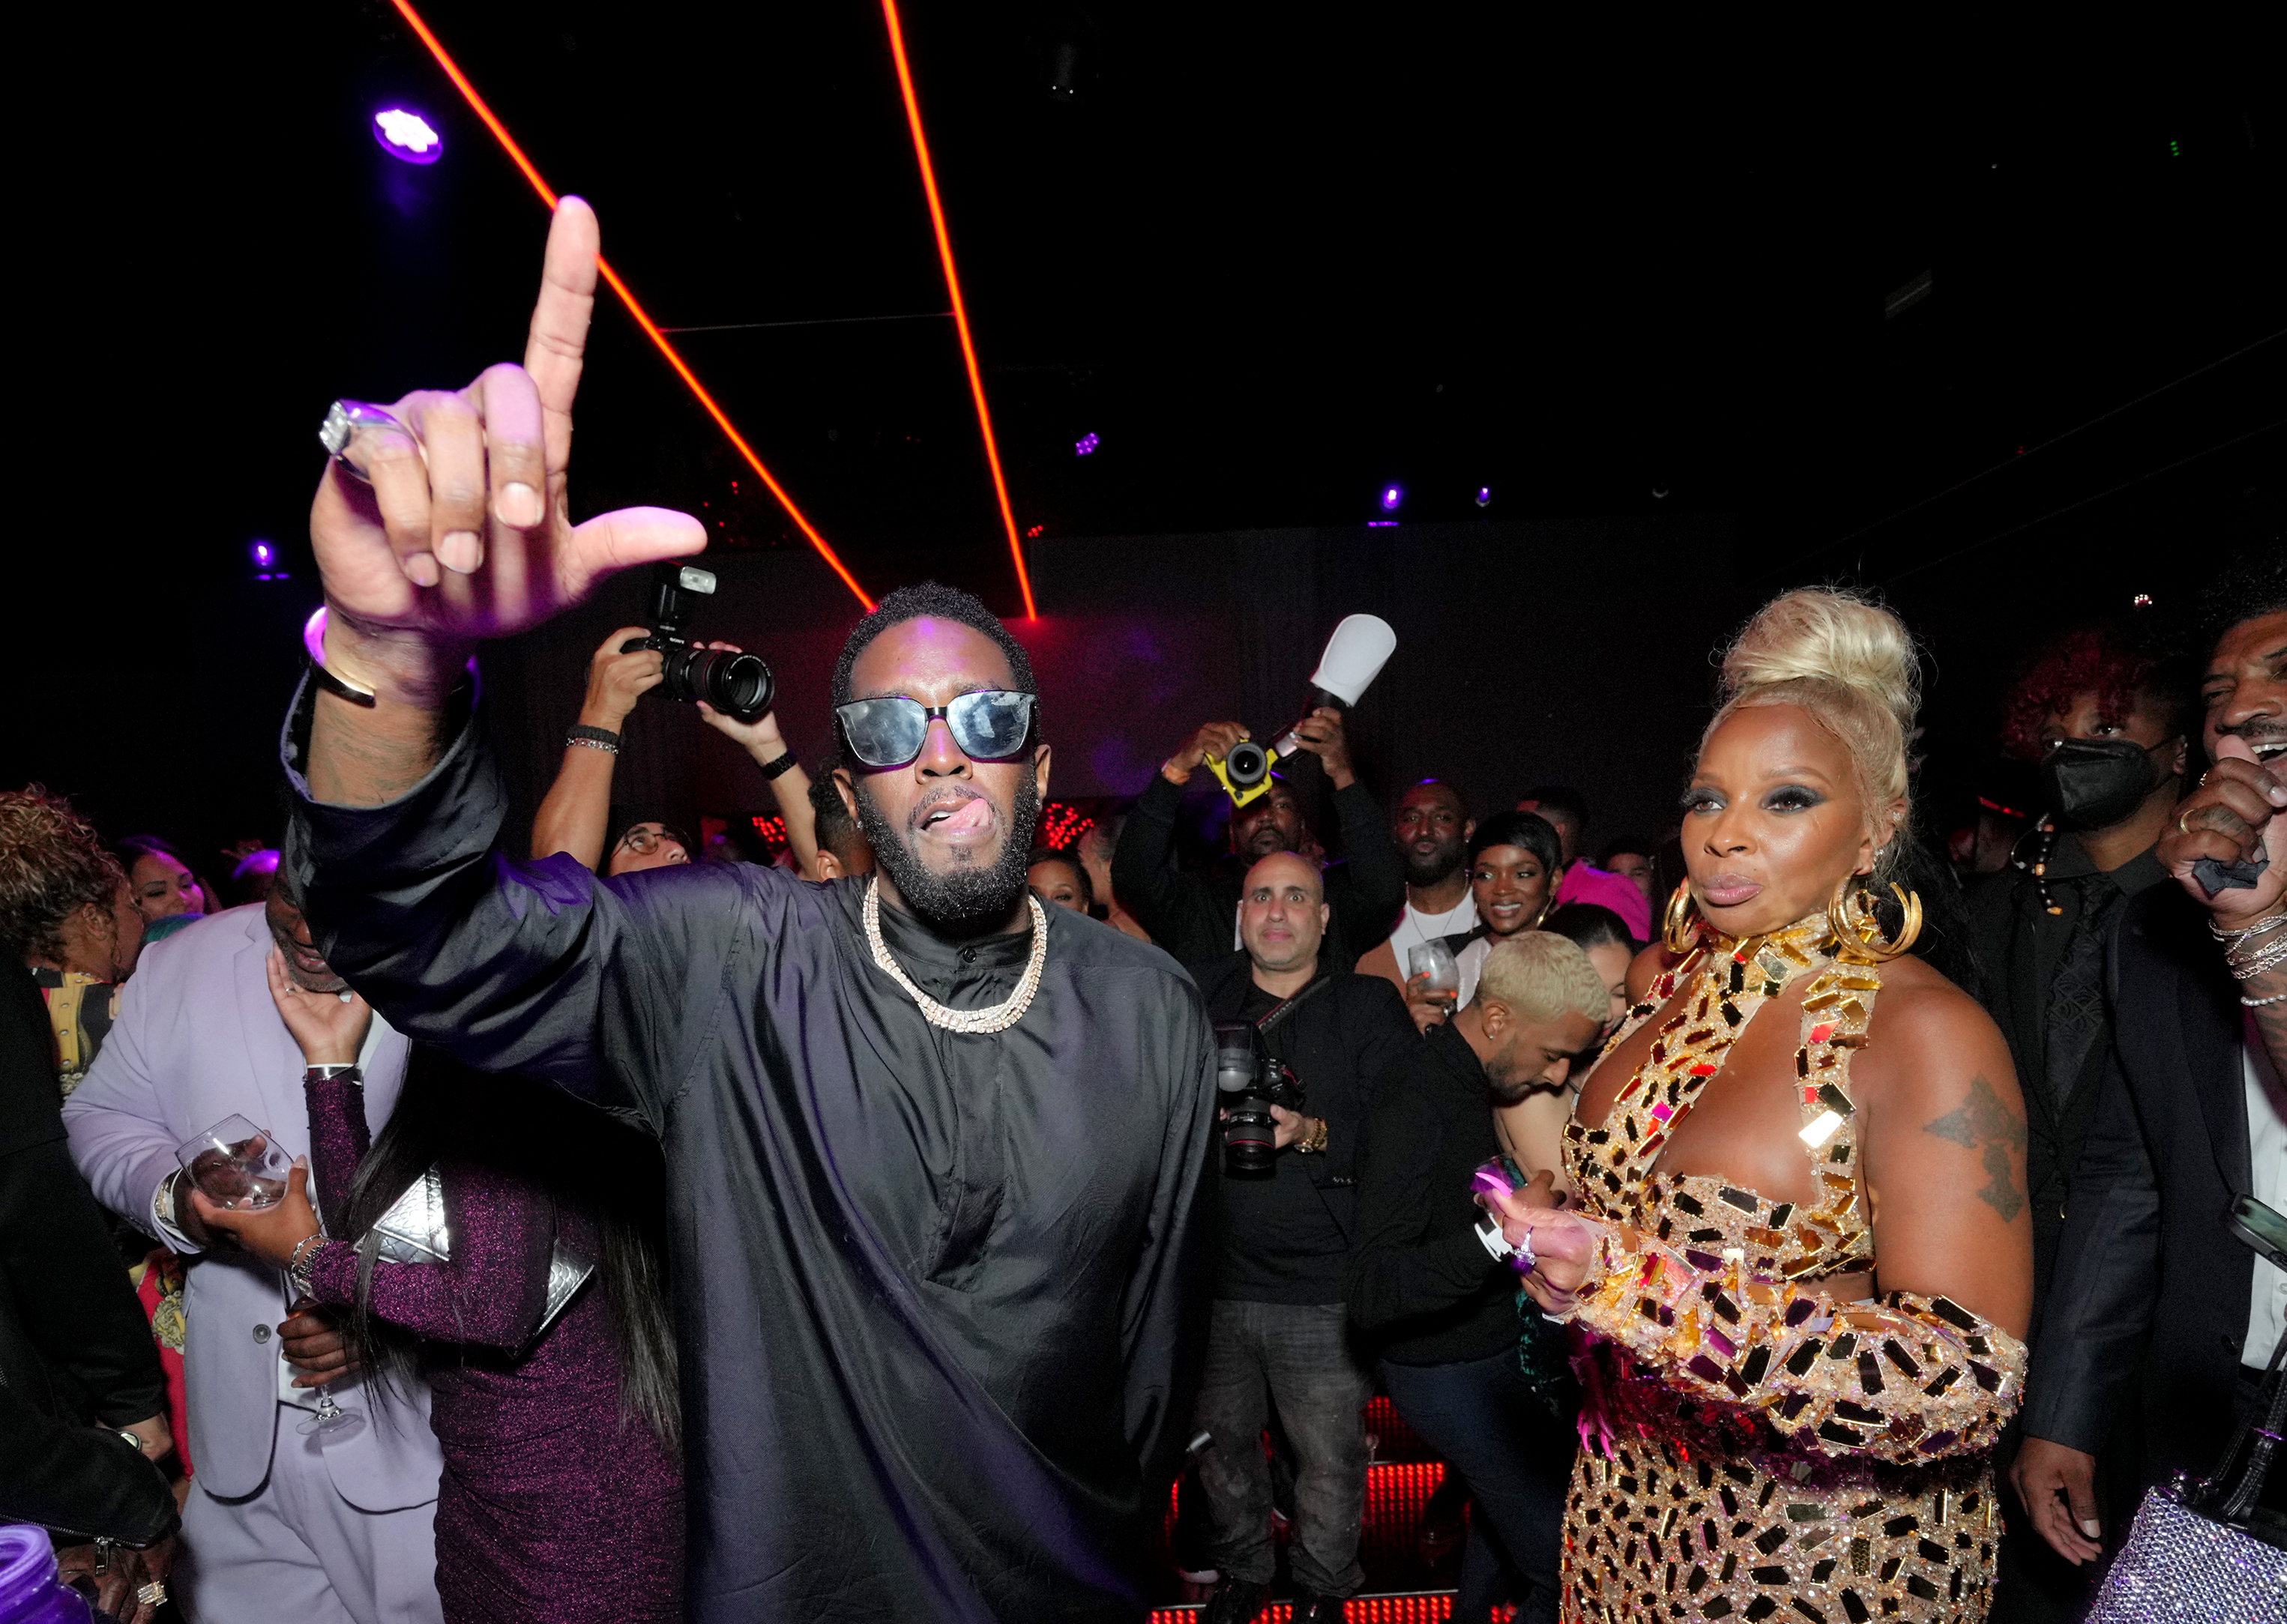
x=738, y=685
x=1250, y=1082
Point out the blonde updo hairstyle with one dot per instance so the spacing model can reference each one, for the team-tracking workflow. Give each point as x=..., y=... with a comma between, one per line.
x=1851, y=664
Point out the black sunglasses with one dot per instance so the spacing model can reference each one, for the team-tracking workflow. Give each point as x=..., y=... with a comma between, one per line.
x=989, y=725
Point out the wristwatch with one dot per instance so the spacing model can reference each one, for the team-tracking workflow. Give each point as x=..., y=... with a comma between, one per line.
x=162, y=1202
x=133, y=1442
x=347, y=1071
x=1313, y=1143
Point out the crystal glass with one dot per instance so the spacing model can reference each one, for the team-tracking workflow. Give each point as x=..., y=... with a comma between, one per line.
x=1434, y=960
x=236, y=1164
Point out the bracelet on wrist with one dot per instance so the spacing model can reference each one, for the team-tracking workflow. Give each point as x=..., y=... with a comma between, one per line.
x=304, y=1260
x=325, y=1071
x=778, y=767
x=594, y=739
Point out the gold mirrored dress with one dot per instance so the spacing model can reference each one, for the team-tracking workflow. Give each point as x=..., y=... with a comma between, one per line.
x=1773, y=1452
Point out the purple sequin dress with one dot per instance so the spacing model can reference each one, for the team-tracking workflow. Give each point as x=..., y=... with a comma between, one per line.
x=551, y=1511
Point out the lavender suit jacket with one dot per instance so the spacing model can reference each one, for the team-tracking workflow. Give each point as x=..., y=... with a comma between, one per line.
x=198, y=1039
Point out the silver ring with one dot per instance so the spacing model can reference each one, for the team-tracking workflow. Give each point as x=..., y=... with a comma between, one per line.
x=344, y=419
x=152, y=1595
x=1525, y=1261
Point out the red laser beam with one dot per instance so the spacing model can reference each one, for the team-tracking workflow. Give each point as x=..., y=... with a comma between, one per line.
x=952, y=286
x=643, y=317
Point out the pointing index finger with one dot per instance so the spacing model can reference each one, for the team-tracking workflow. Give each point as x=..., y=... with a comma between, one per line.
x=558, y=344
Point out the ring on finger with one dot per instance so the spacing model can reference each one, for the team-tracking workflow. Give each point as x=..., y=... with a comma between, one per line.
x=344, y=419
x=152, y=1595
x=2181, y=826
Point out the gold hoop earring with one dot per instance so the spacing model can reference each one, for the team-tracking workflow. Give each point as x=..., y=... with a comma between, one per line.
x=1858, y=931
x=1679, y=927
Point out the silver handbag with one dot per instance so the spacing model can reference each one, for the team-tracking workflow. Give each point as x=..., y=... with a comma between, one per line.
x=2205, y=1549
x=415, y=1230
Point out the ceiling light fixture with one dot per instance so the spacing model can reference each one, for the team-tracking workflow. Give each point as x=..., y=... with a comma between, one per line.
x=408, y=136
x=643, y=318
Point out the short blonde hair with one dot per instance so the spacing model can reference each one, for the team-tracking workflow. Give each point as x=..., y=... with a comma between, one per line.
x=1541, y=976
x=1852, y=666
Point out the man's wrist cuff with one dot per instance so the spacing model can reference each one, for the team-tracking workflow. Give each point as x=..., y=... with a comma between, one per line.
x=1496, y=1244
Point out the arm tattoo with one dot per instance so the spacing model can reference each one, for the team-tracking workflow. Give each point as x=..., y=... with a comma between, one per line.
x=1983, y=1124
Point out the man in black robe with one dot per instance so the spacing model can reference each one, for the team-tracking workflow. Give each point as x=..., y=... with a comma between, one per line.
x=934, y=1152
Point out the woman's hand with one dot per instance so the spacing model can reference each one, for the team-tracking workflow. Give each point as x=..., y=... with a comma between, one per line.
x=271, y=1232
x=330, y=1027
x=1429, y=1006
x=617, y=681
x=1563, y=1243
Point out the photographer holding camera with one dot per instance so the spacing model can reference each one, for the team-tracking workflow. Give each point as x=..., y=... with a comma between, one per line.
x=575, y=816
x=1301, y=1045
x=1190, y=915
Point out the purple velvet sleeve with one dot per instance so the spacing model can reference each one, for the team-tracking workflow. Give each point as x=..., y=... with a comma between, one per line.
x=338, y=1141
x=493, y=1291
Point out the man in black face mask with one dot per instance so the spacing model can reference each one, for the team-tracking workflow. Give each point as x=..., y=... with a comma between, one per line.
x=2109, y=723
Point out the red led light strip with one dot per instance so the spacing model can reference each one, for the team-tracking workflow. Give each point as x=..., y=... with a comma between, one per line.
x=643, y=318
x=952, y=286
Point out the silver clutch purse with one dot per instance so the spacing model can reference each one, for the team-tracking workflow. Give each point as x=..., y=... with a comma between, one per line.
x=415, y=1230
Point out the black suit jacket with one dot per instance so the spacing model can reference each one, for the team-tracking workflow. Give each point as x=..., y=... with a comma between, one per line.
x=2152, y=1291
x=77, y=1358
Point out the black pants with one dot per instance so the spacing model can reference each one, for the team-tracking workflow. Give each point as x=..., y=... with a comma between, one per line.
x=1516, y=1456
x=1261, y=1354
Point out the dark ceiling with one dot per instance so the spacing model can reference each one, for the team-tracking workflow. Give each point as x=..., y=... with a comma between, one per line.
x=1274, y=259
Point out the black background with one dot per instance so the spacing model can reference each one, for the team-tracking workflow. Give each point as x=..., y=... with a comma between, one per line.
x=1630, y=278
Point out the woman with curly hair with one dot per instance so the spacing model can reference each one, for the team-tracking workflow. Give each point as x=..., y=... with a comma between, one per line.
x=67, y=914
x=1797, y=1255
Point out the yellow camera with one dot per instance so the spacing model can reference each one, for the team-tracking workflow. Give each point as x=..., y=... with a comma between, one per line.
x=1245, y=772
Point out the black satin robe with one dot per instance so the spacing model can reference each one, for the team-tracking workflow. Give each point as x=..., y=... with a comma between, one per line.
x=933, y=1292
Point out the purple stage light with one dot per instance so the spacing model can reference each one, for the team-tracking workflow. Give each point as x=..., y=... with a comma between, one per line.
x=1484, y=495
x=1381, y=523
x=266, y=562
x=1391, y=496
x=408, y=135
x=262, y=554
x=1085, y=446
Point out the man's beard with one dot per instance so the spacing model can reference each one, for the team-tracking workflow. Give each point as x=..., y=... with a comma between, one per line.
x=968, y=900
x=1426, y=872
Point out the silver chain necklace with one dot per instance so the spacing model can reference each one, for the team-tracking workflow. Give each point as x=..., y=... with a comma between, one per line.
x=1001, y=1016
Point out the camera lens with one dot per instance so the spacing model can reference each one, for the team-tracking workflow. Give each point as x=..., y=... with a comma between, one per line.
x=1250, y=1137
x=739, y=685
x=1246, y=765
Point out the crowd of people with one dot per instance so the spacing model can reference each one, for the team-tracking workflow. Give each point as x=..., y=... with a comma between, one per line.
x=1831, y=1232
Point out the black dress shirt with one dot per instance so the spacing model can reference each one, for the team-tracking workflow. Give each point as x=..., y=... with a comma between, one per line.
x=1419, y=1278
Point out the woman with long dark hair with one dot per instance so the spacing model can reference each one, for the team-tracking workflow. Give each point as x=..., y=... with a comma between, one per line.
x=498, y=1240
x=1798, y=1248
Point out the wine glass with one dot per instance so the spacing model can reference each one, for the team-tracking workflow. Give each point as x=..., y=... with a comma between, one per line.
x=1434, y=960
x=237, y=1165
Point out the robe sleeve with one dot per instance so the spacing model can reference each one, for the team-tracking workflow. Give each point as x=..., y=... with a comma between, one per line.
x=1164, y=1317
x=607, y=989
x=1907, y=1378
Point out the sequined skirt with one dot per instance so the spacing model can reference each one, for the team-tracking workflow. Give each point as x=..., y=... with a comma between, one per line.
x=1702, y=1513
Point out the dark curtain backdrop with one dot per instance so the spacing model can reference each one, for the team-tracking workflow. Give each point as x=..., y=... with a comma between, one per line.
x=1571, y=651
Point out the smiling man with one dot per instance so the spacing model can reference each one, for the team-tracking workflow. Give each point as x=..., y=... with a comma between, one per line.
x=933, y=1149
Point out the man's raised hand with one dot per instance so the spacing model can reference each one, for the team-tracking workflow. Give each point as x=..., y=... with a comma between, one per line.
x=2237, y=814
x=466, y=532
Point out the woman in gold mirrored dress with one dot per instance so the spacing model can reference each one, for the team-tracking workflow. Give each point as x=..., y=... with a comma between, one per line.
x=1796, y=1248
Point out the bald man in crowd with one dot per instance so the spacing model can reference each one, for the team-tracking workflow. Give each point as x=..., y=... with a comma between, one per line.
x=1279, y=1331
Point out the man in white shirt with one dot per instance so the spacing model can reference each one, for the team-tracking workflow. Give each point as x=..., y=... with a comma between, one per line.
x=1432, y=828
